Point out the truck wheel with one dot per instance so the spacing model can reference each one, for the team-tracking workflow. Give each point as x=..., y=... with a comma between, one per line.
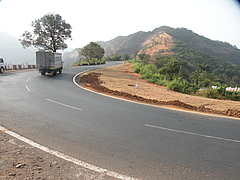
x=2, y=70
x=43, y=73
x=55, y=73
x=60, y=71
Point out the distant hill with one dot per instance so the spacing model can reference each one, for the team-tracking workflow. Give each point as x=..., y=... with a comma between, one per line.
x=222, y=50
x=167, y=40
x=13, y=52
x=126, y=44
x=140, y=40
x=70, y=57
x=190, y=49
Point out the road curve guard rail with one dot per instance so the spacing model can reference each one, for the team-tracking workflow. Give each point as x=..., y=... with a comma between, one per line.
x=88, y=64
x=18, y=66
x=235, y=89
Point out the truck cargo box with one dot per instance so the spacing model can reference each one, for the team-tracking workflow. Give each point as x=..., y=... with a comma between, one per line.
x=49, y=62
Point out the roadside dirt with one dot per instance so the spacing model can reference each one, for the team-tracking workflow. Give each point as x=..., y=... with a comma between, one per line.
x=121, y=81
x=20, y=161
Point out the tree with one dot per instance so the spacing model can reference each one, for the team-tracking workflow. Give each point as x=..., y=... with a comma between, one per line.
x=203, y=67
x=172, y=69
x=92, y=51
x=49, y=33
x=125, y=56
x=113, y=57
x=144, y=58
x=135, y=53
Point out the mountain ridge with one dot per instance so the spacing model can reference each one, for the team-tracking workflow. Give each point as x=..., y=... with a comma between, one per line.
x=127, y=44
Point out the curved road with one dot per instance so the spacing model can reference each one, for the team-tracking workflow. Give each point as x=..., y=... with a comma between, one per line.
x=136, y=140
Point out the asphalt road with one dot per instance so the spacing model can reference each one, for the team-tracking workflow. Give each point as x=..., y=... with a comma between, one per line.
x=133, y=139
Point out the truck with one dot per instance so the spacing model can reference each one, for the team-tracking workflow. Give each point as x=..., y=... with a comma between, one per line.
x=2, y=65
x=49, y=62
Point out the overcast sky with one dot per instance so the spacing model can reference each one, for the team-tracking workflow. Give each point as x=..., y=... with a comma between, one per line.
x=103, y=20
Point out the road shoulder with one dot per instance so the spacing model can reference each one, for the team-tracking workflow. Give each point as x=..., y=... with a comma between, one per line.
x=19, y=160
x=120, y=81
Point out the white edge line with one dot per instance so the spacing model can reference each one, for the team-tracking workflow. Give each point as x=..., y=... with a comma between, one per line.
x=66, y=157
x=27, y=88
x=193, y=112
x=195, y=134
x=63, y=104
x=28, y=79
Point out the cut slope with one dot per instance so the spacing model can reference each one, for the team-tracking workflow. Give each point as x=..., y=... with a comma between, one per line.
x=159, y=42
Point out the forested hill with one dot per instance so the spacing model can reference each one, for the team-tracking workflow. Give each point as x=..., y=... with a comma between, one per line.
x=137, y=41
x=218, y=49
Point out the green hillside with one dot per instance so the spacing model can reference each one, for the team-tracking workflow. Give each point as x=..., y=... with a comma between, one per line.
x=218, y=49
x=127, y=44
x=190, y=50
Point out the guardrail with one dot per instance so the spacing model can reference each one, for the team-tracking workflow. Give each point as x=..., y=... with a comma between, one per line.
x=18, y=66
x=88, y=64
x=236, y=89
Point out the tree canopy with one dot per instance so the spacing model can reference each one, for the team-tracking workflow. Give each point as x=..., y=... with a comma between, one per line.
x=50, y=33
x=91, y=51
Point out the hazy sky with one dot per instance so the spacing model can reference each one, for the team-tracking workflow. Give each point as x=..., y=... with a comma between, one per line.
x=103, y=20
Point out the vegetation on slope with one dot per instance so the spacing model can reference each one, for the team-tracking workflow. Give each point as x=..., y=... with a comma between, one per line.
x=221, y=71
x=180, y=59
x=137, y=41
x=222, y=50
x=182, y=76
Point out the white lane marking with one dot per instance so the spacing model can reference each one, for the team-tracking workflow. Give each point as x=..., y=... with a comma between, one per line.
x=28, y=79
x=63, y=104
x=27, y=88
x=194, y=134
x=74, y=78
x=66, y=157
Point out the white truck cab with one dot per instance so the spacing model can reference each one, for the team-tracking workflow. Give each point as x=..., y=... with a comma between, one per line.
x=1, y=65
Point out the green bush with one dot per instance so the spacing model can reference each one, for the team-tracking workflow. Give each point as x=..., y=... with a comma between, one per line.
x=150, y=68
x=163, y=82
x=175, y=85
x=211, y=93
x=221, y=93
x=189, y=88
x=147, y=75
x=156, y=78
x=137, y=67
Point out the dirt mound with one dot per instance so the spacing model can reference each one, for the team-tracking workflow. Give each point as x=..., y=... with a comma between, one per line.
x=92, y=81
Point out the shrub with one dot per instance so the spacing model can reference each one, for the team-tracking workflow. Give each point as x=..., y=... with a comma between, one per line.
x=137, y=67
x=221, y=93
x=163, y=82
x=147, y=75
x=150, y=68
x=211, y=93
x=175, y=85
